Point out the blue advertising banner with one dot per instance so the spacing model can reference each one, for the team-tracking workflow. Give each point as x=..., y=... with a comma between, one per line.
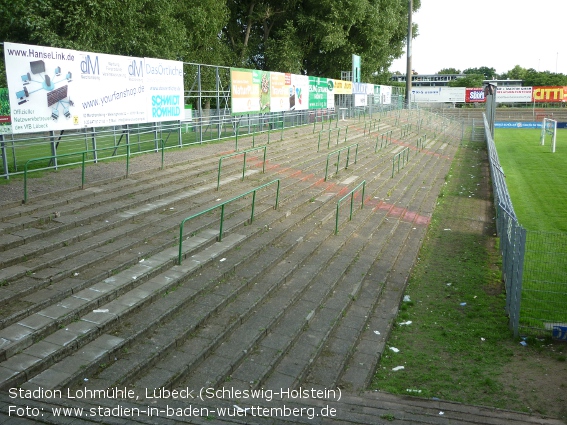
x=522, y=124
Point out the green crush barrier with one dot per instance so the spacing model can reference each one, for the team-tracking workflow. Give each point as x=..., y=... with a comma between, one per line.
x=338, y=152
x=384, y=139
x=403, y=157
x=83, y=155
x=351, y=194
x=221, y=206
x=244, y=164
x=338, y=129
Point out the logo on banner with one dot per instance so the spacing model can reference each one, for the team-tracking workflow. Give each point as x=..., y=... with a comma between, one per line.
x=90, y=68
x=135, y=70
x=477, y=95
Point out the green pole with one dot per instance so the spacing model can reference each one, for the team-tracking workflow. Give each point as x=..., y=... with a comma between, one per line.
x=83, y=172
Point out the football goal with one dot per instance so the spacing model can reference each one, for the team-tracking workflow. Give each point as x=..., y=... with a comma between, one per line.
x=549, y=129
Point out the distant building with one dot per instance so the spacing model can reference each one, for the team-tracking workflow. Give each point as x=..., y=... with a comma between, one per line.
x=440, y=80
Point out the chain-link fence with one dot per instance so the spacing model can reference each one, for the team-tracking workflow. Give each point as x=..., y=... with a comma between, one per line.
x=534, y=264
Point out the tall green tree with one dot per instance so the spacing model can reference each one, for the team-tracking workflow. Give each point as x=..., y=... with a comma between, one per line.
x=447, y=71
x=516, y=73
x=128, y=27
x=318, y=37
x=489, y=73
x=545, y=78
x=470, y=80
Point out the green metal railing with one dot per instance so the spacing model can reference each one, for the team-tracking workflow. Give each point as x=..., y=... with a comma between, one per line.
x=372, y=125
x=329, y=131
x=351, y=194
x=405, y=130
x=83, y=155
x=403, y=157
x=338, y=152
x=244, y=163
x=385, y=139
x=329, y=120
x=255, y=131
x=221, y=206
x=421, y=143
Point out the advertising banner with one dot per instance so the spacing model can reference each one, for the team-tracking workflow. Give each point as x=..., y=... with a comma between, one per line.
x=361, y=92
x=164, y=86
x=294, y=94
x=280, y=92
x=377, y=97
x=474, y=95
x=438, y=94
x=318, y=89
x=425, y=94
x=256, y=91
x=245, y=89
x=5, y=118
x=342, y=87
x=386, y=95
x=513, y=94
x=43, y=87
x=105, y=93
x=299, y=93
x=56, y=89
x=330, y=94
x=516, y=124
x=549, y=94
x=452, y=94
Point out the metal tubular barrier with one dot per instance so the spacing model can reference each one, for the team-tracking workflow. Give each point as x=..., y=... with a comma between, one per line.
x=351, y=194
x=338, y=152
x=244, y=165
x=420, y=144
x=385, y=139
x=221, y=206
x=372, y=125
x=83, y=162
x=405, y=130
x=402, y=155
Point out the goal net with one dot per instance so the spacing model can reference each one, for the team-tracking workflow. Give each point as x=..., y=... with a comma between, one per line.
x=549, y=131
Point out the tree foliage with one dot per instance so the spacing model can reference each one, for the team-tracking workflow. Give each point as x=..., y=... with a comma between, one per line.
x=488, y=73
x=317, y=37
x=531, y=77
x=470, y=80
x=448, y=71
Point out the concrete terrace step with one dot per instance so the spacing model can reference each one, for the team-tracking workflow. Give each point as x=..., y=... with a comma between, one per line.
x=287, y=282
x=8, y=329
x=162, y=372
x=102, y=315
x=195, y=260
x=19, y=271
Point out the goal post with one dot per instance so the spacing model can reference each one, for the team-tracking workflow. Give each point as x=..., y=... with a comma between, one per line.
x=549, y=127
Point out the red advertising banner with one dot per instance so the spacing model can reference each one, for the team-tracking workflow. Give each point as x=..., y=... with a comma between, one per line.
x=474, y=95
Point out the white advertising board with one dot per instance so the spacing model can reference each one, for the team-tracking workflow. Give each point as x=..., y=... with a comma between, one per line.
x=385, y=95
x=163, y=81
x=438, y=94
x=56, y=89
x=513, y=94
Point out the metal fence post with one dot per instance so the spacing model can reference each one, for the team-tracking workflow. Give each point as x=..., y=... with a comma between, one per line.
x=4, y=157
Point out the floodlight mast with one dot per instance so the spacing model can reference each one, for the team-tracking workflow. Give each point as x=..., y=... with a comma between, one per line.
x=408, y=64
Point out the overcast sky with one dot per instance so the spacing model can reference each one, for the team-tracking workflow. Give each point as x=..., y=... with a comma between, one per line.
x=498, y=34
